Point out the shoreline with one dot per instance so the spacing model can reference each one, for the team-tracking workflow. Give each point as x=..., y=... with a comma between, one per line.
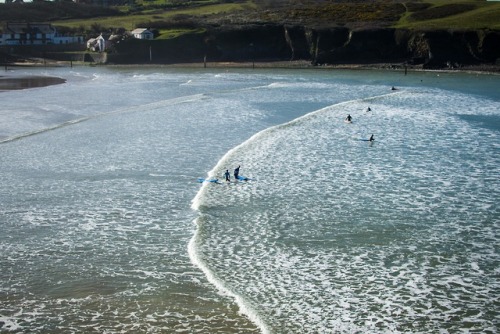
x=26, y=82
x=303, y=64
x=297, y=64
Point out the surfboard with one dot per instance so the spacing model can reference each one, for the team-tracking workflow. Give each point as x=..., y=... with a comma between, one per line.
x=201, y=180
x=243, y=178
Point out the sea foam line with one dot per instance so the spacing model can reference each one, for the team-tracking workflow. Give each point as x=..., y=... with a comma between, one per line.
x=36, y=132
x=212, y=278
x=196, y=202
x=144, y=107
x=196, y=259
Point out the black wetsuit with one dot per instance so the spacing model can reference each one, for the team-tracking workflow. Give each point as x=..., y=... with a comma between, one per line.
x=236, y=172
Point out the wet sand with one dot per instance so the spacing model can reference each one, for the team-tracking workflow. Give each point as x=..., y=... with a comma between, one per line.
x=27, y=82
x=304, y=64
x=16, y=83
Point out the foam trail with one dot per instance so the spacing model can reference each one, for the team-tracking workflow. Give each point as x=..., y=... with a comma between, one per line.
x=145, y=107
x=240, y=301
x=196, y=202
x=33, y=133
x=197, y=260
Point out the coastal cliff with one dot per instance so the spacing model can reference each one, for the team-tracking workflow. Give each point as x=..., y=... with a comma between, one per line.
x=328, y=46
x=428, y=49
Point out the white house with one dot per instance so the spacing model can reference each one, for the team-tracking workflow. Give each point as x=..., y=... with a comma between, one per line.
x=91, y=44
x=103, y=42
x=22, y=33
x=142, y=33
x=99, y=44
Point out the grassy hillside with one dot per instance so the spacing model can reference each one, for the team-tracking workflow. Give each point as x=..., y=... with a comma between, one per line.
x=173, y=17
x=458, y=14
x=149, y=17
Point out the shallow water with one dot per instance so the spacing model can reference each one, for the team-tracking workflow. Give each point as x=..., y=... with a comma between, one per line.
x=107, y=230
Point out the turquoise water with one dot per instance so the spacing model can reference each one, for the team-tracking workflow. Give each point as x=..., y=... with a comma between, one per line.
x=106, y=228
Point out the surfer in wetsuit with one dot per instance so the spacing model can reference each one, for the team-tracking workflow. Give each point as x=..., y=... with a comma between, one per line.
x=348, y=118
x=372, y=138
x=227, y=174
x=236, y=172
x=369, y=109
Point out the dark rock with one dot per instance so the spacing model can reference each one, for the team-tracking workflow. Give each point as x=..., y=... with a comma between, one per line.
x=329, y=46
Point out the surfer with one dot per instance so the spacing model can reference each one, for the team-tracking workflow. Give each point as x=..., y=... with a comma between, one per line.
x=372, y=138
x=227, y=174
x=236, y=172
x=369, y=109
x=348, y=118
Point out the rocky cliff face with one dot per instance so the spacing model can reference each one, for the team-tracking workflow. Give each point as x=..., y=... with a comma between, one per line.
x=432, y=49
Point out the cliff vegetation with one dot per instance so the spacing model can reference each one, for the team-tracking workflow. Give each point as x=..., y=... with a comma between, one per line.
x=432, y=33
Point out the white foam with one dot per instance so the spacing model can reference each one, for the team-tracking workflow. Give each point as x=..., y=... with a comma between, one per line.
x=245, y=308
x=334, y=234
x=10, y=324
x=395, y=180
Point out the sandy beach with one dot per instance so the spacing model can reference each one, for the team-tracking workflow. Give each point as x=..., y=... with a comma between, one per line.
x=16, y=83
x=26, y=82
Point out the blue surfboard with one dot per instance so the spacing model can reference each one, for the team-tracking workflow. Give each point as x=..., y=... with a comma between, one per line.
x=244, y=178
x=201, y=180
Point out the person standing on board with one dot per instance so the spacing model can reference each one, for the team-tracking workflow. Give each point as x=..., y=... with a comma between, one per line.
x=372, y=138
x=236, y=172
x=227, y=174
x=348, y=118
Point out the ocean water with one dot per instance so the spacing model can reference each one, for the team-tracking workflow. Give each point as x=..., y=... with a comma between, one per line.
x=105, y=228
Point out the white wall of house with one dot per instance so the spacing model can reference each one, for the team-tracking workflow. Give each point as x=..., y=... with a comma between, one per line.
x=142, y=33
x=102, y=43
x=15, y=35
x=68, y=40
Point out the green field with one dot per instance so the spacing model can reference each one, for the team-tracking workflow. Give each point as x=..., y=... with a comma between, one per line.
x=172, y=18
x=458, y=14
x=148, y=16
